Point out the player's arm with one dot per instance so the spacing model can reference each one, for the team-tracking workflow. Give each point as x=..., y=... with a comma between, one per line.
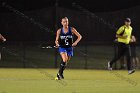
x=120, y=30
x=3, y=39
x=57, y=37
x=133, y=39
x=74, y=31
x=122, y=37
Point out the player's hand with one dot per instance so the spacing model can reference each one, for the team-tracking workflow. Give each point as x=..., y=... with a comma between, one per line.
x=131, y=40
x=74, y=44
x=4, y=40
x=56, y=43
x=124, y=37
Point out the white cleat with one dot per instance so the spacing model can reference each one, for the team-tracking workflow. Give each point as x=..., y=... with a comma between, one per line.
x=131, y=71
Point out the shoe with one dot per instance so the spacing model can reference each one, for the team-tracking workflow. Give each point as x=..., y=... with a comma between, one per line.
x=59, y=77
x=109, y=67
x=131, y=71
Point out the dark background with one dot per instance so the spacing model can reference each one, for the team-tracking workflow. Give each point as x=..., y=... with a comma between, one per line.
x=30, y=25
x=49, y=13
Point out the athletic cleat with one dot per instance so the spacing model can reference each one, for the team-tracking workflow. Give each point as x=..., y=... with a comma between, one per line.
x=131, y=71
x=59, y=77
x=109, y=67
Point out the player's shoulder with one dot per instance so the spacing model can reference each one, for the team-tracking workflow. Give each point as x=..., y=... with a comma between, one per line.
x=131, y=27
x=73, y=28
x=59, y=30
x=122, y=27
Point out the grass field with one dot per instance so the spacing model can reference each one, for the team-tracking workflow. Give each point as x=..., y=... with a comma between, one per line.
x=76, y=81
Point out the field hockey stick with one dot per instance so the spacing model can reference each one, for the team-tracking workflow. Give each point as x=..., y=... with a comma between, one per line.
x=49, y=47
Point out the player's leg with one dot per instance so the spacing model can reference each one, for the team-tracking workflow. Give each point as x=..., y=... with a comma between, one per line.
x=66, y=56
x=0, y=56
x=133, y=62
x=69, y=57
x=133, y=56
x=122, y=62
x=121, y=52
x=69, y=53
x=135, y=59
x=63, y=63
x=137, y=62
x=0, y=52
x=129, y=60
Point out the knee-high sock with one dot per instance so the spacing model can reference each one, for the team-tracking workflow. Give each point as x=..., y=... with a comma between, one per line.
x=62, y=67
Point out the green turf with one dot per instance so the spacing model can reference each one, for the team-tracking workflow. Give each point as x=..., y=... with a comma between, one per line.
x=76, y=81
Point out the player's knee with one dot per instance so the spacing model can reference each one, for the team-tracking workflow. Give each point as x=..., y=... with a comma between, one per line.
x=65, y=59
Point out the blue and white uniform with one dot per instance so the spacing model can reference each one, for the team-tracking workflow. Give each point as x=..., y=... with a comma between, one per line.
x=65, y=41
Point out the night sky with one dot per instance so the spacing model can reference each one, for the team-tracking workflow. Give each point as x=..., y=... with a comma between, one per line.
x=92, y=5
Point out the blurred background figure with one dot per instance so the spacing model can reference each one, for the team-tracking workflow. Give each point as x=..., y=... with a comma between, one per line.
x=123, y=36
x=2, y=39
x=122, y=60
x=135, y=60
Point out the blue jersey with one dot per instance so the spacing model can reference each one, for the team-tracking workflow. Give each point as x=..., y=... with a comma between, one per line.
x=66, y=39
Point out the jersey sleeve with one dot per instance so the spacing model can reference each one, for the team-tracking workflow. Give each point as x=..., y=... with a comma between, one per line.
x=120, y=30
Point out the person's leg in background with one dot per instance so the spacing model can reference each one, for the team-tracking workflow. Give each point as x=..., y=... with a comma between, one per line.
x=0, y=52
x=135, y=61
x=129, y=60
x=120, y=53
x=0, y=56
x=122, y=62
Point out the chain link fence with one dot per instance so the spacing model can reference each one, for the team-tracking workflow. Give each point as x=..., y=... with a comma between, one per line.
x=25, y=55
